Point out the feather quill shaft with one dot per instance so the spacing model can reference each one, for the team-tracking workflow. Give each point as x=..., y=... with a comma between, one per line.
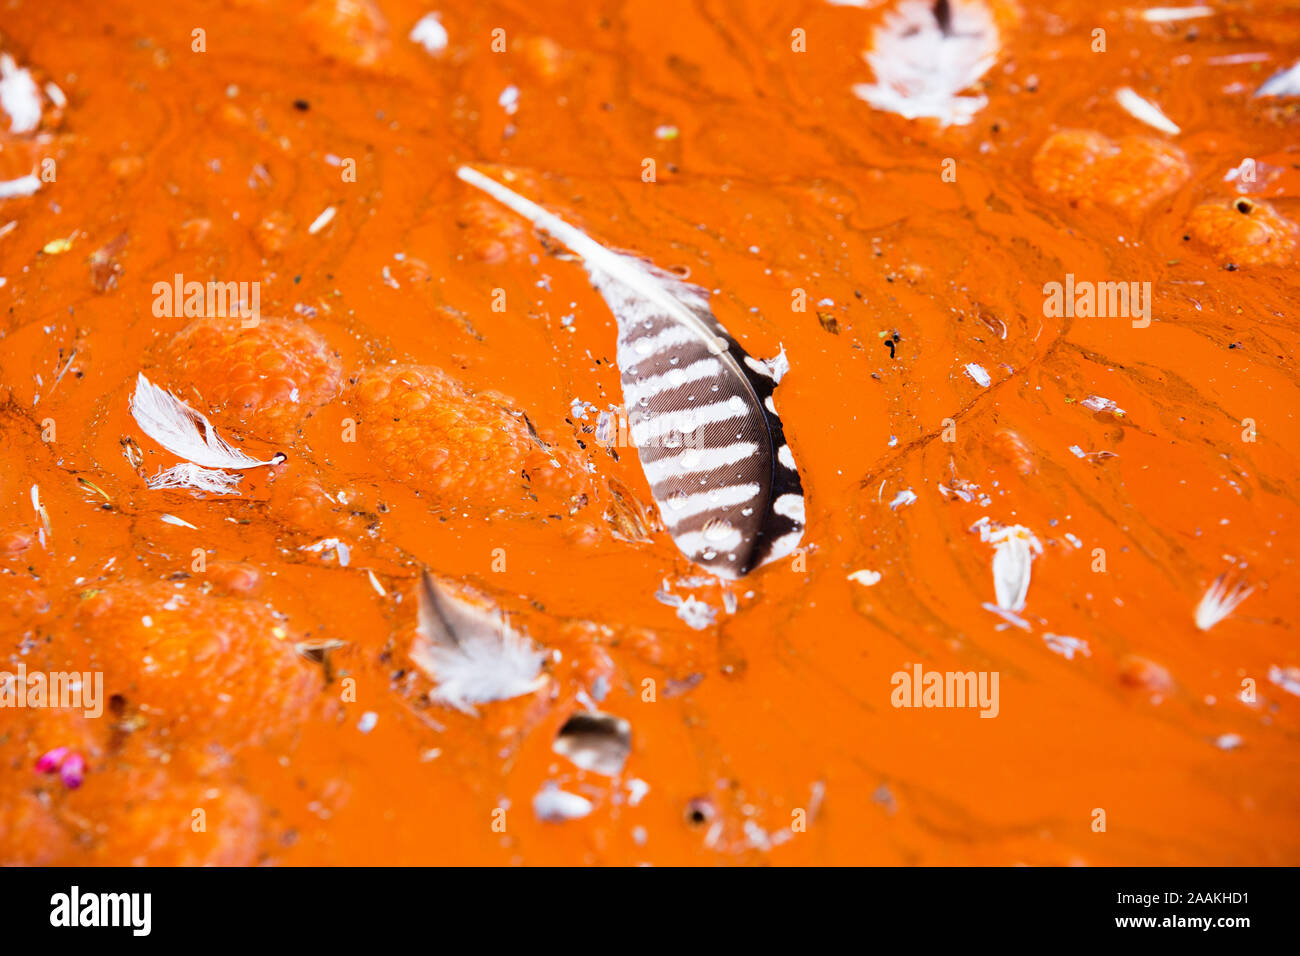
x=700, y=408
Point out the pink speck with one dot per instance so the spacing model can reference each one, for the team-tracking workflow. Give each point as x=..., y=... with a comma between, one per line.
x=51, y=760
x=73, y=771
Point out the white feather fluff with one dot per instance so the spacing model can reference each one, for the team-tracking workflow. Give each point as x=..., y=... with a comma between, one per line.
x=185, y=432
x=190, y=477
x=1219, y=601
x=471, y=651
x=921, y=67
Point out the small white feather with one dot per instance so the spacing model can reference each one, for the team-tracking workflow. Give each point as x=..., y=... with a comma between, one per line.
x=191, y=477
x=921, y=68
x=1219, y=601
x=185, y=432
x=471, y=652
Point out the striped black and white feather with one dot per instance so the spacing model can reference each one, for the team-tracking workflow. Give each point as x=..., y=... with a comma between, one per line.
x=700, y=408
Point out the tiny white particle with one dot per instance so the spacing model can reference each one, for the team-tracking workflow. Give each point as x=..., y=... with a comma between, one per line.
x=430, y=34
x=866, y=578
x=1145, y=111
x=903, y=498
x=321, y=221
x=509, y=99
x=977, y=372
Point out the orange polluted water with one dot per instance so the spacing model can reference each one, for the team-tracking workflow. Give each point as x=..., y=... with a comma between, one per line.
x=434, y=372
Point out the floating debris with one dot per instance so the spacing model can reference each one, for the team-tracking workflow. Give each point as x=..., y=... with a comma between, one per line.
x=321, y=221
x=1219, y=601
x=184, y=431
x=1015, y=620
x=965, y=489
x=1288, y=678
x=340, y=549
x=1015, y=548
x=901, y=500
x=595, y=741
x=1098, y=404
x=1172, y=14
x=1067, y=647
x=46, y=531
x=1282, y=83
x=27, y=185
x=192, y=477
x=90, y=486
x=553, y=805
x=1145, y=111
x=20, y=97
x=509, y=100
x=924, y=54
x=470, y=650
x=430, y=34
x=104, y=267
x=866, y=578
x=1091, y=455
x=180, y=522
x=56, y=247
x=981, y=377
x=70, y=765
x=697, y=614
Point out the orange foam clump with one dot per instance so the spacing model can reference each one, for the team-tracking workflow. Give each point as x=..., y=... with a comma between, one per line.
x=1244, y=231
x=262, y=381
x=1087, y=168
x=464, y=448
